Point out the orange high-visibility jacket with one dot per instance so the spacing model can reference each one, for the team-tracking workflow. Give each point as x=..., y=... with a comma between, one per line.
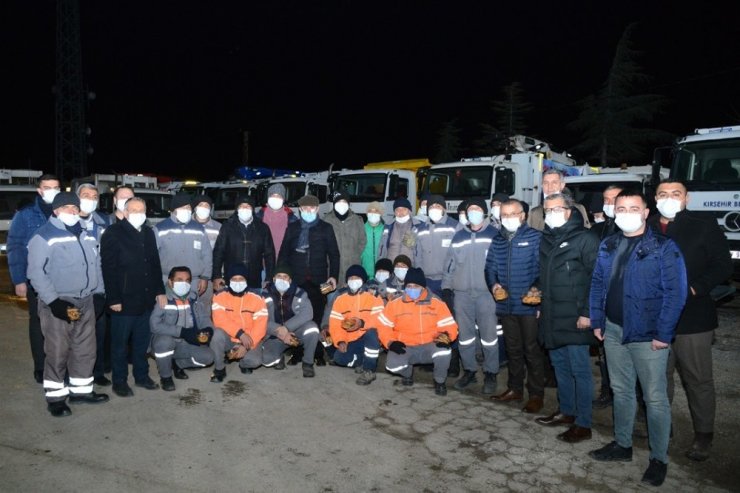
x=363, y=305
x=235, y=314
x=415, y=322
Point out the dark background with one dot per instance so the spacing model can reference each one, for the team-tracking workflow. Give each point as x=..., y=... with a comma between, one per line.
x=317, y=83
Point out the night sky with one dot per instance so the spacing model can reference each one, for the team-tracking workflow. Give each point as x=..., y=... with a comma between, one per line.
x=348, y=82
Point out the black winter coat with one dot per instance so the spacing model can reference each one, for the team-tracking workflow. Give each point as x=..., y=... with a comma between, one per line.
x=249, y=245
x=707, y=256
x=322, y=260
x=131, y=269
x=567, y=259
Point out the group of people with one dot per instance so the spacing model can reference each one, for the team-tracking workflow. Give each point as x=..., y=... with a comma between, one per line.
x=106, y=290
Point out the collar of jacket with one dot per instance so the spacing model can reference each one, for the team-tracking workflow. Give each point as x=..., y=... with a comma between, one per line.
x=572, y=225
x=419, y=301
x=647, y=243
x=272, y=290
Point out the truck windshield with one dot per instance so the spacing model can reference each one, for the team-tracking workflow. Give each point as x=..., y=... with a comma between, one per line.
x=12, y=201
x=462, y=182
x=714, y=162
x=365, y=187
x=226, y=198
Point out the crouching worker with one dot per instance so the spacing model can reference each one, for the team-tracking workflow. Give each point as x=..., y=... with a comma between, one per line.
x=353, y=326
x=240, y=318
x=417, y=328
x=290, y=322
x=181, y=330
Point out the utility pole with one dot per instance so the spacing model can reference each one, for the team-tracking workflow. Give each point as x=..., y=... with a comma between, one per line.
x=70, y=133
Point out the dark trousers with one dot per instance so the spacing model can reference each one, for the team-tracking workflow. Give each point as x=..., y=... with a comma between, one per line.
x=135, y=328
x=525, y=354
x=691, y=355
x=102, y=340
x=35, y=336
x=318, y=303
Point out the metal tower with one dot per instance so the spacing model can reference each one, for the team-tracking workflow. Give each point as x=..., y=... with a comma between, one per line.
x=70, y=138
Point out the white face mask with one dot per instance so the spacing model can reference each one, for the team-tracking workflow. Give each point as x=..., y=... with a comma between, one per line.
x=183, y=215
x=244, y=214
x=68, y=219
x=282, y=285
x=88, y=206
x=341, y=207
x=436, y=215
x=463, y=220
x=669, y=207
x=275, y=203
x=48, y=195
x=475, y=217
x=373, y=218
x=354, y=284
x=496, y=211
x=598, y=220
x=608, y=210
x=382, y=275
x=136, y=219
x=555, y=219
x=121, y=204
x=511, y=224
x=202, y=213
x=423, y=210
x=400, y=272
x=181, y=288
x=402, y=219
x=238, y=286
x=629, y=222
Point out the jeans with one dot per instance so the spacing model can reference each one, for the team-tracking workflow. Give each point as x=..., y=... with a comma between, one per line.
x=136, y=328
x=572, y=366
x=627, y=363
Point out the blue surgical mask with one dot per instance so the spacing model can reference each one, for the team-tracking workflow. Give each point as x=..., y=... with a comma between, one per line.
x=475, y=217
x=309, y=217
x=413, y=293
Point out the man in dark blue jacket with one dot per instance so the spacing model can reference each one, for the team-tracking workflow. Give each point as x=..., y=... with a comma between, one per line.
x=513, y=264
x=638, y=291
x=24, y=225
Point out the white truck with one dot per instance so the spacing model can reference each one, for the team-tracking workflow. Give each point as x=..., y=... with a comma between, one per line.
x=708, y=162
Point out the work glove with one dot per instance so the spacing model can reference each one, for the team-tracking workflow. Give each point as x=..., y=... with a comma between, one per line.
x=190, y=336
x=205, y=335
x=352, y=324
x=397, y=347
x=99, y=305
x=443, y=340
x=59, y=309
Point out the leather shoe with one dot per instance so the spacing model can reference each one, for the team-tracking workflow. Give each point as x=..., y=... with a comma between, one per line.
x=148, y=384
x=556, y=419
x=122, y=390
x=509, y=395
x=178, y=372
x=167, y=384
x=575, y=434
x=59, y=409
x=89, y=398
x=101, y=381
x=533, y=405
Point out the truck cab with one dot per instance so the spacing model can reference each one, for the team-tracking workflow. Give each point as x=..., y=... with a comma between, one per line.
x=376, y=185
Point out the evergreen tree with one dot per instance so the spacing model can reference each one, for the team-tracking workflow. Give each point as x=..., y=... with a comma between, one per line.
x=511, y=110
x=449, y=146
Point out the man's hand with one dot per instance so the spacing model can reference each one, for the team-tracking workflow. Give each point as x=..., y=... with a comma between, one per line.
x=583, y=323
x=442, y=340
x=284, y=335
x=218, y=284
x=599, y=334
x=162, y=300
x=116, y=308
x=657, y=345
x=202, y=286
x=352, y=324
x=21, y=290
x=495, y=287
x=342, y=347
x=246, y=341
x=59, y=309
x=237, y=352
x=333, y=282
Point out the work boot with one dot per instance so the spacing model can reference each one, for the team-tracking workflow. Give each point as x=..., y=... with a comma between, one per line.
x=366, y=378
x=296, y=356
x=655, y=473
x=59, y=409
x=245, y=370
x=454, y=370
x=699, y=450
x=308, y=371
x=489, y=383
x=178, y=372
x=440, y=388
x=88, y=398
x=218, y=375
x=167, y=384
x=407, y=381
x=467, y=378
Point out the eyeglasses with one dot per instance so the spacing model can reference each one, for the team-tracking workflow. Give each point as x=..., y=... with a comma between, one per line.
x=556, y=209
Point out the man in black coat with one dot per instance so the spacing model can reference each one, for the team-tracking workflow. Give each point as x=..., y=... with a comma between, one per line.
x=244, y=239
x=707, y=256
x=567, y=257
x=133, y=284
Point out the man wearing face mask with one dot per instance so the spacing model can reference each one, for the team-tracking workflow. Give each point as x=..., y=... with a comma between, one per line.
x=353, y=326
x=183, y=241
x=310, y=250
x=120, y=196
x=349, y=231
x=461, y=214
x=553, y=182
x=276, y=215
x=373, y=233
x=181, y=331
x=708, y=263
x=95, y=224
x=567, y=256
x=244, y=239
x=290, y=323
x=240, y=317
x=202, y=207
x=638, y=292
x=417, y=329
x=475, y=311
x=513, y=263
x=66, y=308
x=422, y=214
x=496, y=201
x=24, y=225
x=378, y=284
x=133, y=283
x=399, y=237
